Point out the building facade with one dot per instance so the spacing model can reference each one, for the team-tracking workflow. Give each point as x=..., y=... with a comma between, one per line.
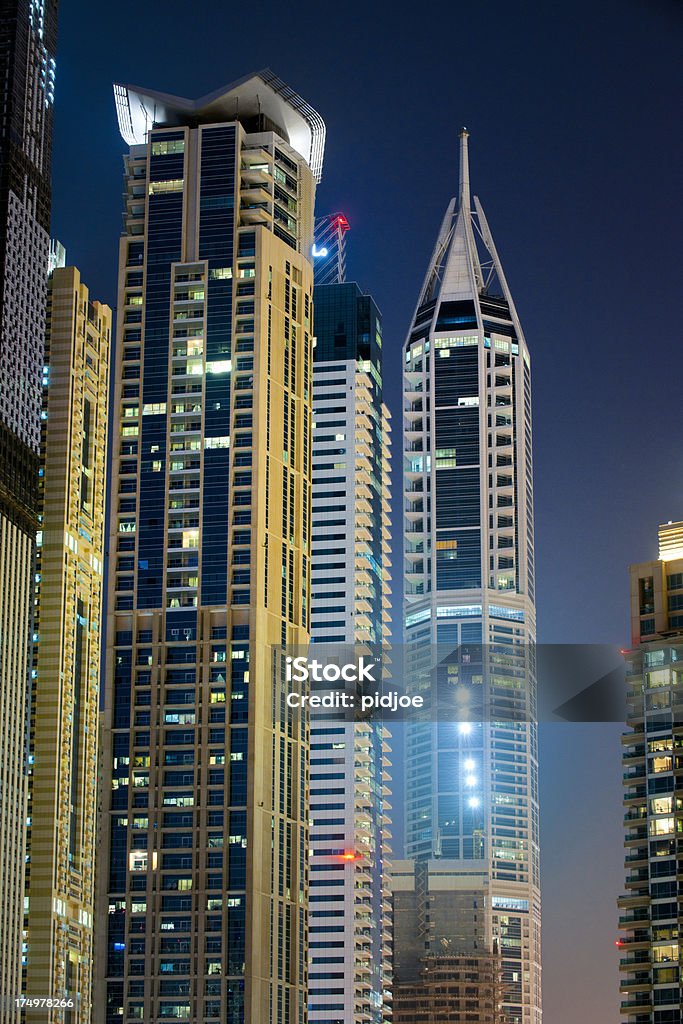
x=651, y=908
x=452, y=990
x=202, y=891
x=28, y=36
x=445, y=968
x=472, y=777
x=349, y=926
x=66, y=663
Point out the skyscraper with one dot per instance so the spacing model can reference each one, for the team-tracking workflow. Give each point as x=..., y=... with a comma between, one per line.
x=203, y=886
x=28, y=35
x=329, y=249
x=68, y=626
x=653, y=795
x=349, y=918
x=471, y=789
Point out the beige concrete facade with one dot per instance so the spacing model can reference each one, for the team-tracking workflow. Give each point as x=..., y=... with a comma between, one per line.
x=16, y=559
x=66, y=676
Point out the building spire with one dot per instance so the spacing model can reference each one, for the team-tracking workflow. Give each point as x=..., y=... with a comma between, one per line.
x=464, y=191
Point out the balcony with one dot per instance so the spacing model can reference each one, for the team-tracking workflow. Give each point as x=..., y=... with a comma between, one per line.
x=257, y=213
x=257, y=173
x=257, y=195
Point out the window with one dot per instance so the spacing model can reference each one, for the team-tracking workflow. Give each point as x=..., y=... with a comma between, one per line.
x=172, y=185
x=170, y=146
x=646, y=595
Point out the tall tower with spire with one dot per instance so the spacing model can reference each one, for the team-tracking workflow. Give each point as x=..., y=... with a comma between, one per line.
x=472, y=781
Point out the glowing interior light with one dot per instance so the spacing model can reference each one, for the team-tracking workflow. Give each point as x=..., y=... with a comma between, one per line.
x=471, y=780
x=465, y=728
x=468, y=765
x=473, y=802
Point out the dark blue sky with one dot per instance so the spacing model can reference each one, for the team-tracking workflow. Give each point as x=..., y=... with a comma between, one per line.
x=576, y=154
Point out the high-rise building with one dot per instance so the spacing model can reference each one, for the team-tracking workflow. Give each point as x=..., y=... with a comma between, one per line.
x=445, y=971
x=329, y=249
x=349, y=932
x=651, y=909
x=66, y=662
x=471, y=784
x=202, y=890
x=28, y=35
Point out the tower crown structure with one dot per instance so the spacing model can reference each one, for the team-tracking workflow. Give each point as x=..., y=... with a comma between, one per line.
x=465, y=263
x=260, y=101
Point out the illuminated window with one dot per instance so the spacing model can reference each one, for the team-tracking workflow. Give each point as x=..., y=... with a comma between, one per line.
x=172, y=185
x=661, y=677
x=441, y=343
x=171, y=146
x=219, y=366
x=445, y=458
x=662, y=827
x=665, y=954
x=137, y=860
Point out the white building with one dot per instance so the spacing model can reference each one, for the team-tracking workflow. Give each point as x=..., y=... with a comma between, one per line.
x=349, y=931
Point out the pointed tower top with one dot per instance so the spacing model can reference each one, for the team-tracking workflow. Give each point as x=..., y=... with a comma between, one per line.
x=464, y=192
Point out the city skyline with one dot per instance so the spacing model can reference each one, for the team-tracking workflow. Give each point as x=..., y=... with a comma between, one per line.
x=595, y=570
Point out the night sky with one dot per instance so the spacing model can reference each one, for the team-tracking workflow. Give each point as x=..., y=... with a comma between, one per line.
x=575, y=146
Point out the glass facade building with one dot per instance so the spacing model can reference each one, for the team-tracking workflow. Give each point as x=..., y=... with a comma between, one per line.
x=472, y=784
x=329, y=249
x=68, y=627
x=28, y=37
x=651, y=908
x=349, y=928
x=202, y=892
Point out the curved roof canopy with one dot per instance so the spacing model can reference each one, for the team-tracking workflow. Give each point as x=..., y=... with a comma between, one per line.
x=262, y=94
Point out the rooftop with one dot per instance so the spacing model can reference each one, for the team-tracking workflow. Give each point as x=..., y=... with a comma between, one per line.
x=260, y=95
